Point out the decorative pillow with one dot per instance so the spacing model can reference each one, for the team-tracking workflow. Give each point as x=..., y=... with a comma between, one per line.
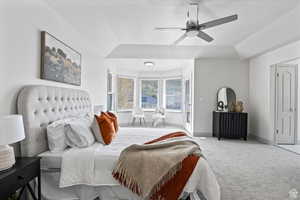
x=56, y=135
x=97, y=131
x=103, y=128
x=115, y=120
x=78, y=133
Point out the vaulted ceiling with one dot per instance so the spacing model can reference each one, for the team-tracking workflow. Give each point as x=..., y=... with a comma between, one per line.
x=130, y=23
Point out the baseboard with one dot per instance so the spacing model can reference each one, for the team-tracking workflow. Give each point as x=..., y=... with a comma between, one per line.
x=261, y=140
x=149, y=125
x=202, y=134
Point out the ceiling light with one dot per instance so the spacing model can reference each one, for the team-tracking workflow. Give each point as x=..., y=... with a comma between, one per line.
x=149, y=64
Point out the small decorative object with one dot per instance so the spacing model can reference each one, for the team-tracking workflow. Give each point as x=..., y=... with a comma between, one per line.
x=231, y=107
x=239, y=107
x=220, y=106
x=59, y=61
x=293, y=194
x=11, y=131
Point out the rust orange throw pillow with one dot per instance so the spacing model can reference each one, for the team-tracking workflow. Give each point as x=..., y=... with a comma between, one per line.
x=115, y=120
x=106, y=126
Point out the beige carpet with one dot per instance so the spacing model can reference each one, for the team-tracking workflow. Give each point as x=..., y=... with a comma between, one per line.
x=248, y=170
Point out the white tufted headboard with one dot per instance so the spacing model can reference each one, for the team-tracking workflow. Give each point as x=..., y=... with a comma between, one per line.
x=41, y=105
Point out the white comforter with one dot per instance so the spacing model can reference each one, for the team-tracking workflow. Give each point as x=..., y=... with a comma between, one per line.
x=94, y=165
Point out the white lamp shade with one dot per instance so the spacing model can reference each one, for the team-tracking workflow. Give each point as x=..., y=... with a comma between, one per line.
x=11, y=129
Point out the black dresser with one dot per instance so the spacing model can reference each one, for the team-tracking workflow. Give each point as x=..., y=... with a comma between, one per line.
x=230, y=125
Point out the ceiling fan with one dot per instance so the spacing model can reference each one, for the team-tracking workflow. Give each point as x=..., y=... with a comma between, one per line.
x=194, y=29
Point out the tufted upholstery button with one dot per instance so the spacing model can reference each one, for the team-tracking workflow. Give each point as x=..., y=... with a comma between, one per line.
x=45, y=111
x=48, y=98
x=35, y=112
x=56, y=98
x=53, y=109
x=40, y=99
x=62, y=98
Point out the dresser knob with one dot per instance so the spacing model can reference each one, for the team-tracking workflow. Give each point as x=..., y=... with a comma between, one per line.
x=21, y=177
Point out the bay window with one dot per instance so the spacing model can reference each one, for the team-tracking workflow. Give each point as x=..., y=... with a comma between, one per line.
x=125, y=91
x=173, y=94
x=149, y=94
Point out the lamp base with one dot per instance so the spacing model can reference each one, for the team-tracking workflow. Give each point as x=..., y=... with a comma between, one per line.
x=7, y=157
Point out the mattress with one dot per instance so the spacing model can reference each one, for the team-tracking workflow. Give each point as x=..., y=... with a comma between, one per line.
x=50, y=160
x=126, y=137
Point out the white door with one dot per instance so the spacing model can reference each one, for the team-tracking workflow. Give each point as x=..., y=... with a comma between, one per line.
x=286, y=104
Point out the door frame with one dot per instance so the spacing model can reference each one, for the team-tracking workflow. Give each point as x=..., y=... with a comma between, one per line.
x=273, y=100
x=189, y=126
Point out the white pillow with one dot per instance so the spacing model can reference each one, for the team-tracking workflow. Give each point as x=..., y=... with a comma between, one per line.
x=56, y=135
x=79, y=134
x=96, y=131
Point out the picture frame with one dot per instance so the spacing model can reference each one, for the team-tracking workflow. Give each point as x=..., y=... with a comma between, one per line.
x=59, y=61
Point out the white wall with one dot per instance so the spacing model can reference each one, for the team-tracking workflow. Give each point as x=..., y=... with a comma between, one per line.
x=259, y=77
x=209, y=75
x=21, y=23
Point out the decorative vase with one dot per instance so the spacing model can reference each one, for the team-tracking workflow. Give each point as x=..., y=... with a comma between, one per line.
x=239, y=107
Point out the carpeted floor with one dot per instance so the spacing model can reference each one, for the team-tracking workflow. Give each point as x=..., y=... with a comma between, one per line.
x=248, y=170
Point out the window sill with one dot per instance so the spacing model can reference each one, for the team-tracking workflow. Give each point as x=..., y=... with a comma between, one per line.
x=124, y=111
x=174, y=111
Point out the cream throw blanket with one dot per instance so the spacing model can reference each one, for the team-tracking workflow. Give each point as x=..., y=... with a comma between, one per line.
x=145, y=168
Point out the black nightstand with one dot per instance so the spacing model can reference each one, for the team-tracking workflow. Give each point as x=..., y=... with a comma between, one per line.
x=19, y=176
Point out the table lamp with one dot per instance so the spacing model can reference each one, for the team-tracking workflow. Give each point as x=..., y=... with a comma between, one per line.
x=11, y=131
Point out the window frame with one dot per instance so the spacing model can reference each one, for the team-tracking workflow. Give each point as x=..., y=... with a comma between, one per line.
x=117, y=92
x=140, y=93
x=110, y=91
x=165, y=94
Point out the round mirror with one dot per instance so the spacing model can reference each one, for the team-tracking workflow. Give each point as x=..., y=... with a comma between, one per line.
x=226, y=99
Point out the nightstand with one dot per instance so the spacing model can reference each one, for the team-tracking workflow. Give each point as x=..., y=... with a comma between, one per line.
x=19, y=176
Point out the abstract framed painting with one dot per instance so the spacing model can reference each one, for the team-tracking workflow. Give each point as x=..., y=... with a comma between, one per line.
x=59, y=62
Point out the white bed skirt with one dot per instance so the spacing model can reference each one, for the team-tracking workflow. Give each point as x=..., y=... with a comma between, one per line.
x=51, y=191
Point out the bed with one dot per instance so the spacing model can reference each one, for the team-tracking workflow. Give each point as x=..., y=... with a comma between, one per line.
x=41, y=105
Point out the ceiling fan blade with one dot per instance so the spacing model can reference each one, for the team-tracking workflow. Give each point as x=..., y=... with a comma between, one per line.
x=217, y=22
x=168, y=28
x=180, y=39
x=205, y=36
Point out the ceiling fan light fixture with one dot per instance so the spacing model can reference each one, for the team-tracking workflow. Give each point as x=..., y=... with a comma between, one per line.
x=192, y=33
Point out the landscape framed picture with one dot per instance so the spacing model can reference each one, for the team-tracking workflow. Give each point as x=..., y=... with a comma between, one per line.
x=59, y=62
